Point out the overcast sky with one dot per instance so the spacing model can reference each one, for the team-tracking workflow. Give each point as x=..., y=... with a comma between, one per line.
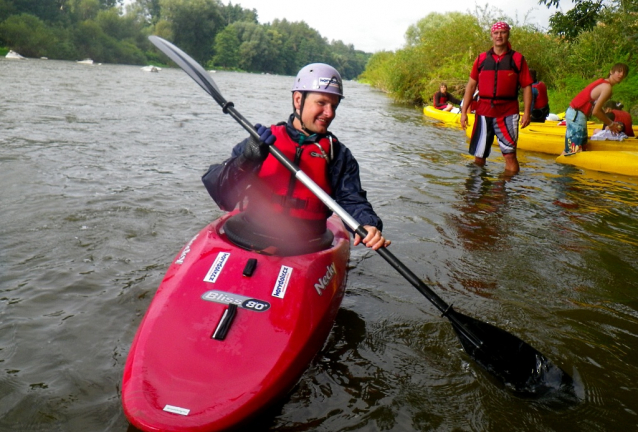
x=376, y=25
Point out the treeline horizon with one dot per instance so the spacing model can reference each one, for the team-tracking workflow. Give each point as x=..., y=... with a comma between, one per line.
x=217, y=35
x=441, y=48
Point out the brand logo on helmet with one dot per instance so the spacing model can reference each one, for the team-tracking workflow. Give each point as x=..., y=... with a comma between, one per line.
x=324, y=83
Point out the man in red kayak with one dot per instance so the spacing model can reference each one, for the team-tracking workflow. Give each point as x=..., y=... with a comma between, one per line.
x=499, y=73
x=276, y=204
x=588, y=102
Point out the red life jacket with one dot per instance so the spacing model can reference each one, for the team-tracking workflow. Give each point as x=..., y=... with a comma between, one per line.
x=442, y=100
x=541, y=100
x=583, y=101
x=625, y=118
x=290, y=196
x=498, y=80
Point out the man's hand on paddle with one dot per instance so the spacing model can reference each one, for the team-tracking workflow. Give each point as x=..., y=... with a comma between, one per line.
x=373, y=240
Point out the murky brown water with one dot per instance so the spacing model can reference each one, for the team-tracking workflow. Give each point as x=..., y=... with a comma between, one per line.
x=99, y=189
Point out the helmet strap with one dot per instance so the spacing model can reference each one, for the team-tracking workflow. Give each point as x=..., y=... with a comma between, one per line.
x=298, y=115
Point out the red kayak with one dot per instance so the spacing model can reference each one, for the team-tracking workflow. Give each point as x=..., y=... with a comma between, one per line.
x=230, y=331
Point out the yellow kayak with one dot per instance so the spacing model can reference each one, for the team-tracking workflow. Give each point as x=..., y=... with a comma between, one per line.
x=560, y=130
x=549, y=127
x=532, y=140
x=447, y=117
x=616, y=162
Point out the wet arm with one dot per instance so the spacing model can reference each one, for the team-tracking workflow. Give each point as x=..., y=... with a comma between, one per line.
x=470, y=88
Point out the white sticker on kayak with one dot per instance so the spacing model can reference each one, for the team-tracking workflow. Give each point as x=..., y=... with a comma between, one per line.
x=217, y=267
x=176, y=410
x=282, y=282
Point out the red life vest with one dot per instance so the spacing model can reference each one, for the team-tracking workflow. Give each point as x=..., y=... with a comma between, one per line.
x=583, y=101
x=541, y=100
x=290, y=196
x=498, y=80
x=625, y=118
x=442, y=103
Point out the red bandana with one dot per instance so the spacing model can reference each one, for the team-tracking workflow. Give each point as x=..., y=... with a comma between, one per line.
x=501, y=25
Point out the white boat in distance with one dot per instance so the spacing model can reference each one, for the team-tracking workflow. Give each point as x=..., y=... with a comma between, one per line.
x=85, y=61
x=14, y=55
x=151, y=68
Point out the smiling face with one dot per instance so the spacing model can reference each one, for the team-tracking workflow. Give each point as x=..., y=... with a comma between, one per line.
x=443, y=89
x=318, y=111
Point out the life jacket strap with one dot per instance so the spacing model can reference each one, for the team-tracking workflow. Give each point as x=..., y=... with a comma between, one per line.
x=298, y=203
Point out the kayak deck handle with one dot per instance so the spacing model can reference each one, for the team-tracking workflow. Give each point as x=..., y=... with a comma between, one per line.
x=250, y=267
x=224, y=323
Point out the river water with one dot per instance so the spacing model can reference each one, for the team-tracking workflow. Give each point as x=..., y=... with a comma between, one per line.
x=100, y=187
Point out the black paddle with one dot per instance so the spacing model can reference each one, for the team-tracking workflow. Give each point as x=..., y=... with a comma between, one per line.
x=519, y=366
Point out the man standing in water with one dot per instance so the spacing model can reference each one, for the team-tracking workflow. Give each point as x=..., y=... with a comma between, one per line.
x=499, y=73
x=591, y=100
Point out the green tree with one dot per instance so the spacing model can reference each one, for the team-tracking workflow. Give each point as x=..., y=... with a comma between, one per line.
x=46, y=10
x=436, y=51
x=6, y=10
x=254, y=48
x=349, y=62
x=233, y=13
x=300, y=45
x=26, y=34
x=82, y=10
x=118, y=26
x=227, y=48
x=378, y=71
x=270, y=62
x=149, y=11
x=581, y=18
x=194, y=24
x=585, y=15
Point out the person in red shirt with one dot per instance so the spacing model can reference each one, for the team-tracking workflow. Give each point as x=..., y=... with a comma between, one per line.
x=540, y=101
x=443, y=100
x=588, y=102
x=499, y=74
x=620, y=116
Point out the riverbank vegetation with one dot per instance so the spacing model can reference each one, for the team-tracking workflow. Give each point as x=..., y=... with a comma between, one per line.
x=218, y=35
x=442, y=48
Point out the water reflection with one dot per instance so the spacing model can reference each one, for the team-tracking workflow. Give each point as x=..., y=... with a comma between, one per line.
x=479, y=223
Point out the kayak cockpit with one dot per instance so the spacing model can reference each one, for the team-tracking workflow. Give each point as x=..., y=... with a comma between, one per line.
x=243, y=232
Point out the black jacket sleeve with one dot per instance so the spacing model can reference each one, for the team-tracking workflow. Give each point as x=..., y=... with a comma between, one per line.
x=227, y=181
x=453, y=99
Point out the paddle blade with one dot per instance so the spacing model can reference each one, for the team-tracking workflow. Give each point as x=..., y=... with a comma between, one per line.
x=190, y=66
x=520, y=367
